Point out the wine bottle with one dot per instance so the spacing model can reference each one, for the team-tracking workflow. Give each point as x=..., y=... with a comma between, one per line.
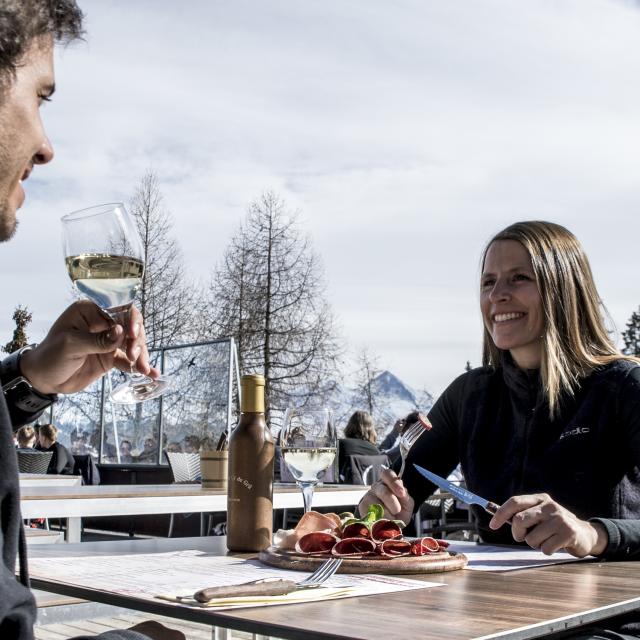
x=250, y=494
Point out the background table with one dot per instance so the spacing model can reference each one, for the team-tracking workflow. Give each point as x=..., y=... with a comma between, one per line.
x=513, y=605
x=49, y=480
x=72, y=503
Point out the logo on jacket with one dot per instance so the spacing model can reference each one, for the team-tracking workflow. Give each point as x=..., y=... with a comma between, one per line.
x=576, y=431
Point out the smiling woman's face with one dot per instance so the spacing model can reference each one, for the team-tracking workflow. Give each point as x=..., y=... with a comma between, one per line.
x=510, y=302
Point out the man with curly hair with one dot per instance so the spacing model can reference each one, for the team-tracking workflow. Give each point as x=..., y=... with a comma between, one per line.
x=82, y=344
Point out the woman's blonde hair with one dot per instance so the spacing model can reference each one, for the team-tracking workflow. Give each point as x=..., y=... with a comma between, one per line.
x=575, y=340
x=361, y=426
x=49, y=431
x=25, y=435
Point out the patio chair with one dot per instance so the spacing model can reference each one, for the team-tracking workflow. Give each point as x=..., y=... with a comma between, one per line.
x=185, y=469
x=85, y=466
x=363, y=469
x=33, y=461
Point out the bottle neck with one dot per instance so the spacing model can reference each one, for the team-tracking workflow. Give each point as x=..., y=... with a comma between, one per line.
x=252, y=400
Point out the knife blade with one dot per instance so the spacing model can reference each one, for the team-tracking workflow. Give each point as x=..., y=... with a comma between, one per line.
x=460, y=493
x=265, y=587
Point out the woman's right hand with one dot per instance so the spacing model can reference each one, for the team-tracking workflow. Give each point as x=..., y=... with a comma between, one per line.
x=392, y=495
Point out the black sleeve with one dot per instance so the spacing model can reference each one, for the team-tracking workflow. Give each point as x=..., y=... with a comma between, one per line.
x=628, y=408
x=19, y=418
x=624, y=535
x=389, y=440
x=437, y=449
x=65, y=460
x=624, y=538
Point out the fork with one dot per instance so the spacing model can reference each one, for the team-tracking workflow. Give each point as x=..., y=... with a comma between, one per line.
x=271, y=586
x=408, y=438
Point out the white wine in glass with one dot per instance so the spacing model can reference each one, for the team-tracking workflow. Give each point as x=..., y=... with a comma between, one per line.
x=308, y=441
x=105, y=261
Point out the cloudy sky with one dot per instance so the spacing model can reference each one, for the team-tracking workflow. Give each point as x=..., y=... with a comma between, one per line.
x=407, y=132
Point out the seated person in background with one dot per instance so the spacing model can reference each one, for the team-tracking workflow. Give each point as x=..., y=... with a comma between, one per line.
x=390, y=444
x=26, y=437
x=549, y=427
x=62, y=461
x=191, y=444
x=174, y=447
x=125, y=452
x=359, y=439
x=207, y=444
x=149, y=452
x=80, y=445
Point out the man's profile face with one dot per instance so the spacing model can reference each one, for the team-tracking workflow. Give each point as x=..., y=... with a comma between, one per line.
x=23, y=141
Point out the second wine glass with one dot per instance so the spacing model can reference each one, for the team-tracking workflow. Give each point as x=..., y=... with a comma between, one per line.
x=105, y=261
x=308, y=441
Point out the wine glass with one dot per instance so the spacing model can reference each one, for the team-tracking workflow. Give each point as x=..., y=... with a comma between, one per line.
x=308, y=441
x=105, y=261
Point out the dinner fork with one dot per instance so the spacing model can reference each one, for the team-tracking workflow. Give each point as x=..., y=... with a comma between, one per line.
x=408, y=438
x=271, y=586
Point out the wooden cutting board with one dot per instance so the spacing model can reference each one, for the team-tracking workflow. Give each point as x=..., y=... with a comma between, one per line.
x=432, y=563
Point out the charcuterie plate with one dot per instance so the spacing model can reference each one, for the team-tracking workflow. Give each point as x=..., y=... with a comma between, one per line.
x=431, y=563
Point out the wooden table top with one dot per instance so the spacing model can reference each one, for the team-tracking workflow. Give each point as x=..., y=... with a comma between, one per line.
x=514, y=605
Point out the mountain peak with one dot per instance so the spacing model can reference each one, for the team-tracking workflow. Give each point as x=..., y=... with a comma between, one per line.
x=392, y=399
x=388, y=384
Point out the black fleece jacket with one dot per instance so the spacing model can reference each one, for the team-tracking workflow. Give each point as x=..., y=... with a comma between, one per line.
x=497, y=425
x=17, y=605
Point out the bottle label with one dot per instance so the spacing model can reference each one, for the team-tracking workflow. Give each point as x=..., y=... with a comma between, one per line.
x=241, y=481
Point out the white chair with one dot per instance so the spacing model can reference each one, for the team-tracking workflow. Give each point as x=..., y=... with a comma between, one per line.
x=185, y=469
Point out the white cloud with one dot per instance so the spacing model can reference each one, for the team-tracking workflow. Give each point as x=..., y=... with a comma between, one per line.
x=407, y=132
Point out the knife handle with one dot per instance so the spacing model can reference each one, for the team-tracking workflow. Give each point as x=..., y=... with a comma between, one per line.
x=258, y=588
x=492, y=507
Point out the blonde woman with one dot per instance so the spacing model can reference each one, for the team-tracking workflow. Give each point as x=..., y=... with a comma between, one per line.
x=549, y=427
x=26, y=437
x=359, y=439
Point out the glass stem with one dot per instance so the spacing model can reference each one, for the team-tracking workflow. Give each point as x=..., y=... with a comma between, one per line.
x=307, y=494
x=121, y=316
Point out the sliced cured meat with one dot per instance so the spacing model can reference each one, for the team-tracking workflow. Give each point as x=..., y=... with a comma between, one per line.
x=310, y=522
x=423, y=546
x=443, y=544
x=316, y=542
x=353, y=547
x=314, y=521
x=392, y=548
x=425, y=422
x=385, y=530
x=356, y=530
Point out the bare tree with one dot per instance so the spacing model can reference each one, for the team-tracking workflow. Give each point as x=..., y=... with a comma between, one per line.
x=166, y=296
x=22, y=318
x=631, y=336
x=368, y=370
x=268, y=293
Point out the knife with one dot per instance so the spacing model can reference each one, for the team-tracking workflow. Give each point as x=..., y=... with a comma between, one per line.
x=264, y=587
x=457, y=492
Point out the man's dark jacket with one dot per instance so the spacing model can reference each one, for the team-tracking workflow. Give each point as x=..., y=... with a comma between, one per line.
x=17, y=605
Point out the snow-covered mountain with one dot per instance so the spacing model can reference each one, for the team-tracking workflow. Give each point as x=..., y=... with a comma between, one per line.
x=392, y=399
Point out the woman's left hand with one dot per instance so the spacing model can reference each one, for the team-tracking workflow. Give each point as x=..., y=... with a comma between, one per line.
x=544, y=524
